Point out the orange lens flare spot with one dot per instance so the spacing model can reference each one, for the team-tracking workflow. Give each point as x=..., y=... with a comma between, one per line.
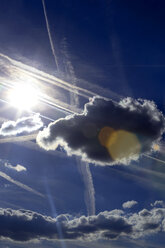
x=120, y=144
x=156, y=147
x=105, y=134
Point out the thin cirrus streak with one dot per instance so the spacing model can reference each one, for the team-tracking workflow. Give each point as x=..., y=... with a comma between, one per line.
x=62, y=84
x=18, y=138
x=55, y=104
x=52, y=102
x=49, y=35
x=156, y=159
x=19, y=184
x=74, y=100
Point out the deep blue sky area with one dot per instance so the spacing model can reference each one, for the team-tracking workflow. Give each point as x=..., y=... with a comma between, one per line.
x=115, y=48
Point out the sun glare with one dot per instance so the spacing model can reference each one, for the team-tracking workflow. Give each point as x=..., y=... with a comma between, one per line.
x=23, y=97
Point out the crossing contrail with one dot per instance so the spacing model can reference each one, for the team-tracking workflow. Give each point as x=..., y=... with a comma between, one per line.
x=84, y=169
x=19, y=184
x=49, y=35
x=18, y=67
x=62, y=84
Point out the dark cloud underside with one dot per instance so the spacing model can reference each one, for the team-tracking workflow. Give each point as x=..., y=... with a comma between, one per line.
x=24, y=225
x=107, y=132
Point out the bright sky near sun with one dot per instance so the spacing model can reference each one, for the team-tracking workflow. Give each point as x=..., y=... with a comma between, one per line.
x=23, y=96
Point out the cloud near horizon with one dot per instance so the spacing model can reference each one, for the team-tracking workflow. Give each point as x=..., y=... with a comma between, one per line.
x=107, y=132
x=23, y=125
x=25, y=225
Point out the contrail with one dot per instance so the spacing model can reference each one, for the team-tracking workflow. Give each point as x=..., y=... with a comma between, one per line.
x=151, y=172
x=35, y=73
x=69, y=68
x=138, y=178
x=62, y=84
x=89, y=187
x=49, y=35
x=21, y=185
x=58, y=105
x=61, y=106
x=83, y=167
x=52, y=102
x=156, y=159
x=18, y=138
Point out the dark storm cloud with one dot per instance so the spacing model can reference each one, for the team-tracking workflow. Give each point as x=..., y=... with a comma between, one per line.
x=22, y=125
x=79, y=134
x=24, y=225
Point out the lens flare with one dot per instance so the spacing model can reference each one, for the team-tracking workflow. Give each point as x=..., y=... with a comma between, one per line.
x=156, y=147
x=120, y=144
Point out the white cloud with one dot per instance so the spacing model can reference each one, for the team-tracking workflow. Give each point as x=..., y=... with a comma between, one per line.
x=158, y=204
x=23, y=125
x=129, y=204
x=18, y=167
x=22, y=225
x=147, y=222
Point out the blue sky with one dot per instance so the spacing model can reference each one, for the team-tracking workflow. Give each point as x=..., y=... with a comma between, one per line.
x=61, y=185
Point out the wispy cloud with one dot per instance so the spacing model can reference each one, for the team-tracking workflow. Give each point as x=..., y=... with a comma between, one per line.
x=129, y=204
x=107, y=132
x=17, y=168
x=22, y=125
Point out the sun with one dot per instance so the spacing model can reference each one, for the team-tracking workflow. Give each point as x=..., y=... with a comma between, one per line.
x=23, y=97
